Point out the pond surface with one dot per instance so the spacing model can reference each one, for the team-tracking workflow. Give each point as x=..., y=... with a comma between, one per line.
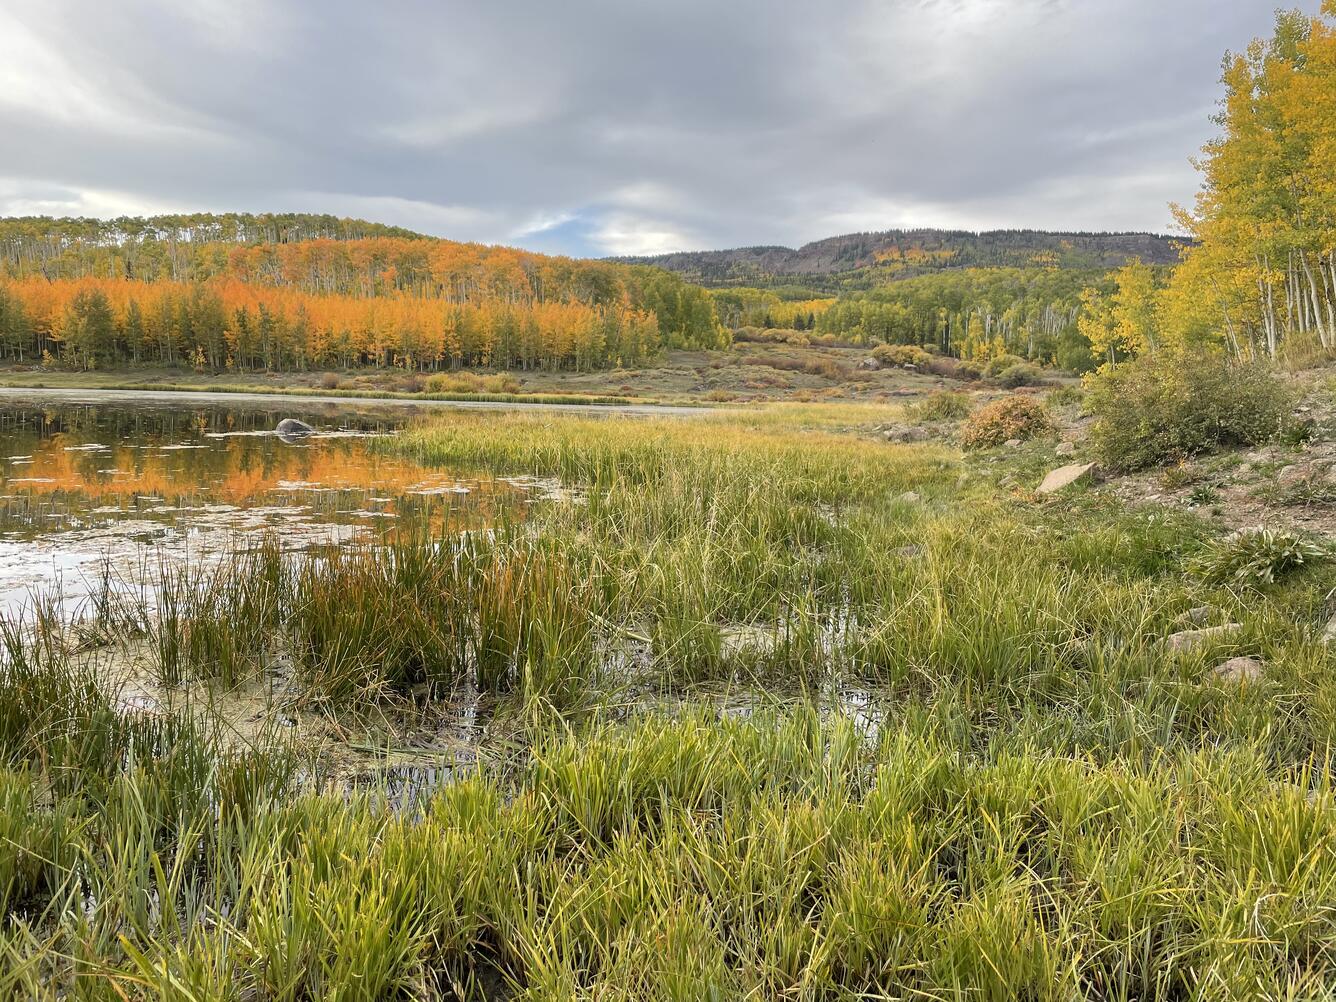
x=97, y=494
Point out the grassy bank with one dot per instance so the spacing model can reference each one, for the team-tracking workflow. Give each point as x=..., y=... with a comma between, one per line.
x=967, y=764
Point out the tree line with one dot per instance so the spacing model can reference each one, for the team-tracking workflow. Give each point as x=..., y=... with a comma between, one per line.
x=222, y=290
x=973, y=313
x=228, y=324
x=1259, y=279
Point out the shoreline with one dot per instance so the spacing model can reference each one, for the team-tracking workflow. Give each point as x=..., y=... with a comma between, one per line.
x=100, y=394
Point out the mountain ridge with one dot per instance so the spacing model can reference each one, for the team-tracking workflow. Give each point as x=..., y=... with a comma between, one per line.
x=854, y=258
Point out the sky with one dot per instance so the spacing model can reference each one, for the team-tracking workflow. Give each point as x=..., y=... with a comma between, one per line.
x=610, y=127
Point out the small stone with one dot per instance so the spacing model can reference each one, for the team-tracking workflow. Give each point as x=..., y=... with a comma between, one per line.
x=912, y=550
x=1186, y=640
x=1240, y=670
x=1065, y=476
x=1329, y=632
x=1065, y=448
x=909, y=497
x=1011, y=443
x=1243, y=469
x=1197, y=615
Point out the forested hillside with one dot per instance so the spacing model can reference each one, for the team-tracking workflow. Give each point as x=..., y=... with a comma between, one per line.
x=865, y=260
x=303, y=291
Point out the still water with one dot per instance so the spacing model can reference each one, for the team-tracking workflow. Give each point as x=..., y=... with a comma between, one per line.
x=97, y=494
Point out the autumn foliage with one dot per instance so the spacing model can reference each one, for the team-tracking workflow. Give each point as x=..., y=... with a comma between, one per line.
x=412, y=302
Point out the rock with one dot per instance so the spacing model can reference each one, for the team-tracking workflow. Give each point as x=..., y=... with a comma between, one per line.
x=1197, y=615
x=909, y=497
x=1329, y=632
x=1243, y=469
x=1187, y=640
x=870, y=364
x=1012, y=443
x=1240, y=670
x=292, y=428
x=912, y=550
x=1065, y=448
x=905, y=433
x=1065, y=476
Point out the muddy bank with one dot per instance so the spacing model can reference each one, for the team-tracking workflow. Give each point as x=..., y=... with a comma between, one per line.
x=280, y=401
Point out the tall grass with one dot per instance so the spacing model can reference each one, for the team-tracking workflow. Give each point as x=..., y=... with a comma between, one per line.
x=983, y=774
x=782, y=856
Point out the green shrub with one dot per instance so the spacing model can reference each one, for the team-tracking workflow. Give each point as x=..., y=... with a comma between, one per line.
x=1258, y=556
x=1021, y=374
x=1169, y=407
x=1016, y=416
x=994, y=367
x=1066, y=396
x=901, y=354
x=471, y=382
x=942, y=406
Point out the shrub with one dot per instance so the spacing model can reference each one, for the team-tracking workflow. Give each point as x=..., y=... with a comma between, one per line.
x=1066, y=396
x=329, y=381
x=1169, y=407
x=471, y=382
x=901, y=354
x=1016, y=416
x=994, y=367
x=942, y=406
x=967, y=370
x=1021, y=374
x=1258, y=556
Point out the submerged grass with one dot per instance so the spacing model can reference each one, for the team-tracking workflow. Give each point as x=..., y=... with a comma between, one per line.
x=1037, y=800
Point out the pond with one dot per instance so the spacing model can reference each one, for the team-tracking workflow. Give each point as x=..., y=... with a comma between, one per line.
x=96, y=494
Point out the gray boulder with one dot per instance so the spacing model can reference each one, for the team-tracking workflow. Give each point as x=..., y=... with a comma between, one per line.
x=905, y=433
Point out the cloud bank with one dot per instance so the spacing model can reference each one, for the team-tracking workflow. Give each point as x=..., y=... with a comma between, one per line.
x=596, y=127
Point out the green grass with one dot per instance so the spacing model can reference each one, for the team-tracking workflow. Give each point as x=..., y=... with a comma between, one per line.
x=779, y=732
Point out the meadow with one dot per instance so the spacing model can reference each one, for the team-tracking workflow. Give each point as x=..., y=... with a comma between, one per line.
x=779, y=710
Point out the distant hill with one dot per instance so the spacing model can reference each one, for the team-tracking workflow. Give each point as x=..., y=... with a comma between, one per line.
x=860, y=260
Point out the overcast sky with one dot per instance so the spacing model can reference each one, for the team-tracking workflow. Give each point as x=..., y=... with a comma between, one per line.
x=597, y=127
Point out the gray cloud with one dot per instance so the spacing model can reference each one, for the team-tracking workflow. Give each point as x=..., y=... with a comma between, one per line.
x=618, y=126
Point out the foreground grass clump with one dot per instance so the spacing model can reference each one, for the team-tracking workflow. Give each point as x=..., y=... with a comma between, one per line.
x=1171, y=406
x=1019, y=416
x=942, y=405
x=785, y=856
x=1258, y=556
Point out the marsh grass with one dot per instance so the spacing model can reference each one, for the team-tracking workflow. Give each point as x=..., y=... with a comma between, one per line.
x=1040, y=804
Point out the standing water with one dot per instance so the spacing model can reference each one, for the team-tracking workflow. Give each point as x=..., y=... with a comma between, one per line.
x=94, y=494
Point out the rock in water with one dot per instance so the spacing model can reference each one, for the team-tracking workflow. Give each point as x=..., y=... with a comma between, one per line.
x=1065, y=476
x=292, y=428
x=1240, y=670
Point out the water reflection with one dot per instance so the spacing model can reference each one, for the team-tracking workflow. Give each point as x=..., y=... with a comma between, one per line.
x=89, y=486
